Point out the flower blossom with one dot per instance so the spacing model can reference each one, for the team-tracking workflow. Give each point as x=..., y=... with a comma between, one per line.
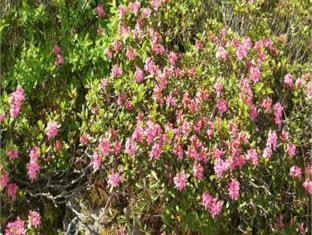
x=113, y=179
x=221, y=53
x=15, y=228
x=288, y=80
x=4, y=179
x=12, y=154
x=278, y=108
x=233, y=188
x=16, y=100
x=96, y=161
x=213, y=205
x=104, y=146
x=130, y=147
x=221, y=106
x=12, y=189
x=52, y=129
x=139, y=75
x=34, y=219
x=291, y=150
x=295, y=172
x=307, y=184
x=180, y=180
x=116, y=71
x=100, y=10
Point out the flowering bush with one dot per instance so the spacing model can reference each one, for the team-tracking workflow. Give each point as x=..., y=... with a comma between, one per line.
x=168, y=116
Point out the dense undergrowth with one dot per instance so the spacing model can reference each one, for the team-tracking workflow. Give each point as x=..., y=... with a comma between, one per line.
x=161, y=116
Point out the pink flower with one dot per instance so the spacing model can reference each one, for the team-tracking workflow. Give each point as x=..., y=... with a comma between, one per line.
x=307, y=184
x=272, y=140
x=12, y=154
x=52, y=129
x=94, y=110
x=117, y=45
x=278, y=108
x=113, y=179
x=116, y=71
x=4, y=180
x=233, y=188
x=130, y=147
x=117, y=148
x=156, y=150
x=198, y=44
x=15, y=228
x=34, y=219
x=104, y=147
x=178, y=151
x=84, y=139
x=252, y=156
x=16, y=100
x=34, y=153
x=32, y=169
x=295, y=172
x=59, y=59
x=198, y=171
x=242, y=49
x=291, y=150
x=172, y=58
x=130, y=53
x=146, y=12
x=288, y=80
x=267, y=152
x=213, y=205
x=241, y=52
x=139, y=75
x=308, y=90
x=128, y=105
x=156, y=4
x=302, y=229
x=220, y=167
x=267, y=104
x=134, y=7
x=284, y=135
x=96, y=161
x=57, y=50
x=180, y=180
x=221, y=53
x=253, y=112
x=100, y=10
x=218, y=87
x=255, y=73
x=12, y=189
x=299, y=83
x=221, y=106
x=122, y=11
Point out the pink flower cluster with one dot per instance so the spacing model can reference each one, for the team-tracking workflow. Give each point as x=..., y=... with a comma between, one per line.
x=113, y=179
x=96, y=161
x=17, y=227
x=57, y=53
x=16, y=100
x=213, y=205
x=12, y=154
x=4, y=183
x=52, y=129
x=33, y=166
x=180, y=180
x=233, y=188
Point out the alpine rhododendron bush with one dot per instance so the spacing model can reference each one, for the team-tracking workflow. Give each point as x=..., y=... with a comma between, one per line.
x=156, y=117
